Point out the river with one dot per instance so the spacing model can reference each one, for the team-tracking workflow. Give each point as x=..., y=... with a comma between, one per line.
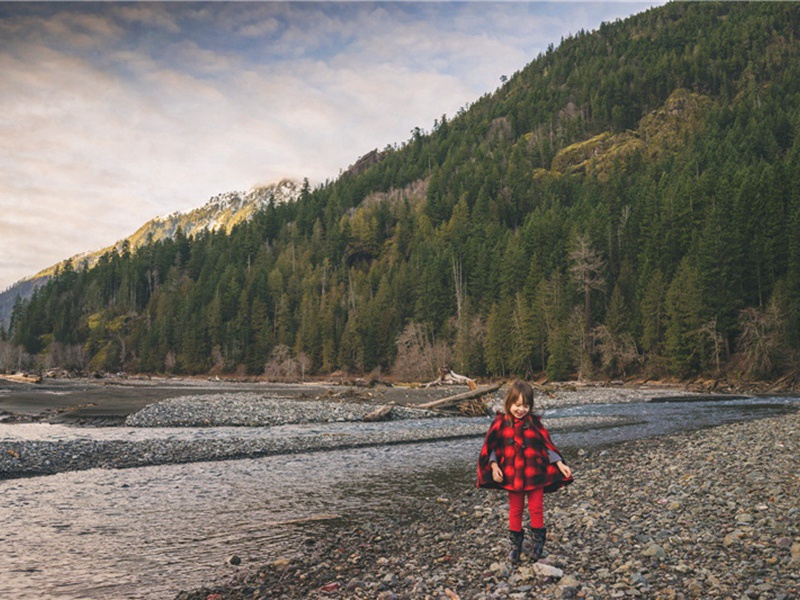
x=148, y=532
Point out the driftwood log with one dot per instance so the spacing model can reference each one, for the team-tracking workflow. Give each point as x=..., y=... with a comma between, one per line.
x=449, y=377
x=22, y=378
x=476, y=393
x=379, y=414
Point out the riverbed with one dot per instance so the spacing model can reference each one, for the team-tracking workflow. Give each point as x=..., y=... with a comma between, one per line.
x=148, y=532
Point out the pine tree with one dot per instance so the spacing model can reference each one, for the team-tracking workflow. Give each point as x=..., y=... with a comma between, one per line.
x=685, y=318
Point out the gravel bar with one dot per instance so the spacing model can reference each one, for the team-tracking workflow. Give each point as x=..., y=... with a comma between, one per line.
x=703, y=514
x=256, y=410
x=23, y=458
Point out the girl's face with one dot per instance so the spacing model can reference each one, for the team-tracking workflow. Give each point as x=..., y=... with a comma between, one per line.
x=519, y=410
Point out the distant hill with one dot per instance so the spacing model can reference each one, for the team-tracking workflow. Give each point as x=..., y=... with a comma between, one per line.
x=220, y=213
x=22, y=289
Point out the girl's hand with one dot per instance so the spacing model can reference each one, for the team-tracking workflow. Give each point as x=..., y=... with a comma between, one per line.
x=497, y=474
x=565, y=470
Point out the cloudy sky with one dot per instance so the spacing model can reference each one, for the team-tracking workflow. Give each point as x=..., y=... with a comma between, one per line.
x=114, y=113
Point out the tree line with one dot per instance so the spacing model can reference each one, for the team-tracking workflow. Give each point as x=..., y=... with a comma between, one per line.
x=627, y=204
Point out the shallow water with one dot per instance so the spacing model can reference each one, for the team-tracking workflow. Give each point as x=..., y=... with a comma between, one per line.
x=146, y=533
x=661, y=418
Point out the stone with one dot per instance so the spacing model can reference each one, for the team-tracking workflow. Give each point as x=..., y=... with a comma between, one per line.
x=731, y=538
x=355, y=584
x=524, y=572
x=234, y=560
x=496, y=567
x=795, y=553
x=655, y=551
x=545, y=570
x=568, y=581
x=637, y=579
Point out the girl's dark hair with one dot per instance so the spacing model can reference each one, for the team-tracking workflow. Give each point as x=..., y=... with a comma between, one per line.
x=516, y=390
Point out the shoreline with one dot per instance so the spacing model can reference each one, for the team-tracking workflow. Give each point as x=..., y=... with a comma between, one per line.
x=253, y=426
x=109, y=401
x=31, y=458
x=705, y=514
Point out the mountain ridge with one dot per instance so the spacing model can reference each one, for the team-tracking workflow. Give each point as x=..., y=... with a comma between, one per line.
x=221, y=212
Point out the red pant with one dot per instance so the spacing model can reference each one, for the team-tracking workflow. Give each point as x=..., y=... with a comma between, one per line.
x=516, y=506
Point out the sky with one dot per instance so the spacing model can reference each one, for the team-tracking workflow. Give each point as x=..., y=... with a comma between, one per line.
x=114, y=113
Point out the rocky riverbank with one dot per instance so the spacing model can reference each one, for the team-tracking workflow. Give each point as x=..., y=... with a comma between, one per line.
x=706, y=514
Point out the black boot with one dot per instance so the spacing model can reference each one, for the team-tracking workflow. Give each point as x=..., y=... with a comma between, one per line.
x=538, y=536
x=516, y=538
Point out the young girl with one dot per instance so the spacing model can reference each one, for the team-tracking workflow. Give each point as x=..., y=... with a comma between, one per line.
x=518, y=456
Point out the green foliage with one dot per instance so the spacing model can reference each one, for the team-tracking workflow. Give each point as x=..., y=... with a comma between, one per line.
x=665, y=144
x=685, y=316
x=559, y=365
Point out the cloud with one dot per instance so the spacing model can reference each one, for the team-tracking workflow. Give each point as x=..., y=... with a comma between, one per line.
x=262, y=28
x=155, y=15
x=111, y=114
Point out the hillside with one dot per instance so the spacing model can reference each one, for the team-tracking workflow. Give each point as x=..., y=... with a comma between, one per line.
x=222, y=212
x=625, y=205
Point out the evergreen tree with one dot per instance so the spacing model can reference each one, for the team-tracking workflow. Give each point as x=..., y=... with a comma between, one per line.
x=685, y=317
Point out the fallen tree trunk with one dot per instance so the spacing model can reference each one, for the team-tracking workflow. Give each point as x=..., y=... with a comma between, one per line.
x=22, y=378
x=477, y=393
x=449, y=377
x=379, y=414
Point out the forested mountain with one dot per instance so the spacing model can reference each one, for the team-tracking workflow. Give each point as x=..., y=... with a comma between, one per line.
x=222, y=212
x=627, y=204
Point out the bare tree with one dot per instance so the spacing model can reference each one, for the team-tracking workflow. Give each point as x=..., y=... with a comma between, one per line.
x=282, y=366
x=760, y=340
x=14, y=358
x=618, y=353
x=709, y=329
x=458, y=281
x=419, y=356
x=586, y=269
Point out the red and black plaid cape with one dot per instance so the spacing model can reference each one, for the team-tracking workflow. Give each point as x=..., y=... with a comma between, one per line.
x=521, y=450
